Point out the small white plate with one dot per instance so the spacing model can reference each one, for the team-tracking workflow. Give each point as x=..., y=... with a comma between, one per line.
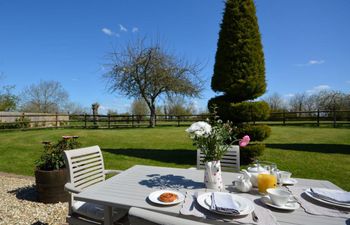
x=290, y=181
x=246, y=206
x=309, y=193
x=154, y=197
x=288, y=206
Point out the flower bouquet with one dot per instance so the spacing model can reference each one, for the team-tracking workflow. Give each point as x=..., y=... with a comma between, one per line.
x=214, y=140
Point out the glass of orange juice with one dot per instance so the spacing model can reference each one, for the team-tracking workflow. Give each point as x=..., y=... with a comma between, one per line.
x=266, y=181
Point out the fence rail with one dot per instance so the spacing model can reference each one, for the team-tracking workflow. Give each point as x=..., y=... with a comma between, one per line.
x=32, y=120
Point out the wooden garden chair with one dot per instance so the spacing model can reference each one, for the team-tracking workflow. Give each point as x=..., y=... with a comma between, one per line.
x=86, y=168
x=229, y=162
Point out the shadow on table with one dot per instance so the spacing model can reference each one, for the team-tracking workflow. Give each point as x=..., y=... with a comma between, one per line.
x=178, y=156
x=170, y=182
x=27, y=193
x=323, y=148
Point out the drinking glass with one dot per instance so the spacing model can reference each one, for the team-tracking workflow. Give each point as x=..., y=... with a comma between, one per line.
x=266, y=181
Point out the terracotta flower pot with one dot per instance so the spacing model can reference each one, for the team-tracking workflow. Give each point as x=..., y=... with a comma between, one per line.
x=50, y=185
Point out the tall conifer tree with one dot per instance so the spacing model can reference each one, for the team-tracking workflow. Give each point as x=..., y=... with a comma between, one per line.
x=239, y=70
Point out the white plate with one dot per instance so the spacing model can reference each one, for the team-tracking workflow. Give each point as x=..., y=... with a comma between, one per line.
x=290, y=181
x=153, y=197
x=246, y=206
x=289, y=206
x=309, y=193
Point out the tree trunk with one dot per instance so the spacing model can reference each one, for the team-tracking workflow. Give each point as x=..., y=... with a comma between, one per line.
x=152, y=119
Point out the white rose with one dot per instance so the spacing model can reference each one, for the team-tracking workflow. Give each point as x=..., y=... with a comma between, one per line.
x=199, y=129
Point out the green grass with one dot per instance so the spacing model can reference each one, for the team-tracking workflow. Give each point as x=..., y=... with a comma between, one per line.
x=319, y=153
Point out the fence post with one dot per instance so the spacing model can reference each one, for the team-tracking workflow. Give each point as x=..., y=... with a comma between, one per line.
x=334, y=118
x=132, y=120
x=22, y=121
x=109, y=120
x=318, y=117
x=85, y=120
x=178, y=121
x=284, y=117
x=56, y=119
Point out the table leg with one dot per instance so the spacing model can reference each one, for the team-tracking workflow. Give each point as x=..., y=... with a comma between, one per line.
x=108, y=215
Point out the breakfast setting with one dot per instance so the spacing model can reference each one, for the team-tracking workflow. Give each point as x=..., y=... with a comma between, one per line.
x=253, y=196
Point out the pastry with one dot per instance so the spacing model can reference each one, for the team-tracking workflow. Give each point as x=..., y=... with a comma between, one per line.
x=167, y=197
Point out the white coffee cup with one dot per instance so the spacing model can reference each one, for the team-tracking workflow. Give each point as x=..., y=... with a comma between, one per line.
x=284, y=176
x=278, y=196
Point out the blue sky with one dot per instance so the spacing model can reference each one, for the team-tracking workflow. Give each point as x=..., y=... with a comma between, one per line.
x=306, y=43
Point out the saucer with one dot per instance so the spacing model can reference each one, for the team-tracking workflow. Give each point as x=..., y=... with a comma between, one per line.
x=290, y=181
x=288, y=206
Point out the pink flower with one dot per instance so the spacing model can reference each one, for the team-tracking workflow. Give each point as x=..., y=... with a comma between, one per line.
x=244, y=141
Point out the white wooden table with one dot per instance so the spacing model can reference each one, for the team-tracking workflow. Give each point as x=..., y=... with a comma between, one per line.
x=131, y=188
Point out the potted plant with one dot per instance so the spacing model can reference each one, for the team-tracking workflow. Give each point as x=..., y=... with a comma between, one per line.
x=214, y=138
x=50, y=170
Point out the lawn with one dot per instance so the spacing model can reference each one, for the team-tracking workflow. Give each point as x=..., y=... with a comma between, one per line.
x=319, y=153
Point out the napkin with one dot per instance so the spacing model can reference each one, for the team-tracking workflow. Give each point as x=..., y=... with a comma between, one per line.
x=223, y=202
x=335, y=195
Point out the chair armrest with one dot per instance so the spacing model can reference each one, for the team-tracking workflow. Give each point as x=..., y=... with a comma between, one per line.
x=112, y=171
x=70, y=188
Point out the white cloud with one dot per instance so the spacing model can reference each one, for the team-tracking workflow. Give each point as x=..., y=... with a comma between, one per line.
x=312, y=62
x=290, y=95
x=109, y=32
x=315, y=62
x=122, y=28
x=135, y=29
x=318, y=88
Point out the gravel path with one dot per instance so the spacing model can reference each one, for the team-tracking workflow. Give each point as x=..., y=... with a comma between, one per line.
x=18, y=204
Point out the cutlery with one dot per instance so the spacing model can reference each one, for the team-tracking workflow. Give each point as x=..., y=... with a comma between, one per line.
x=194, y=197
x=255, y=217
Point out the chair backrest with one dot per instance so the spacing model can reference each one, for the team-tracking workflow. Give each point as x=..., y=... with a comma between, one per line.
x=85, y=166
x=139, y=216
x=229, y=162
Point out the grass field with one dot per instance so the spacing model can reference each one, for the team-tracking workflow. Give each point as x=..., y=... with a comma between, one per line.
x=319, y=153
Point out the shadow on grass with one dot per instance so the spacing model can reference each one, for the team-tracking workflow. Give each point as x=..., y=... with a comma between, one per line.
x=27, y=193
x=322, y=148
x=178, y=156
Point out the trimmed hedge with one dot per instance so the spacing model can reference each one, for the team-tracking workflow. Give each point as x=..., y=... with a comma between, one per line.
x=251, y=152
x=255, y=132
x=239, y=112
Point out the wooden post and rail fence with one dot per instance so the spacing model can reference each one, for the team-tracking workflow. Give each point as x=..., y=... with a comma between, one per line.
x=19, y=120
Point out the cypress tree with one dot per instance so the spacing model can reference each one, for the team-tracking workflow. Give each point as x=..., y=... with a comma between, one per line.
x=239, y=72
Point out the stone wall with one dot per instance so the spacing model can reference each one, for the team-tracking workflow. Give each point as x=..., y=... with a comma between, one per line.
x=36, y=119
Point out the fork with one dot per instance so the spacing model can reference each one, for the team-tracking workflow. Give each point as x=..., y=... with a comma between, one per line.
x=255, y=217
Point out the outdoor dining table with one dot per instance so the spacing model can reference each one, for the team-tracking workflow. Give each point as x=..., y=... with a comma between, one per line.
x=132, y=187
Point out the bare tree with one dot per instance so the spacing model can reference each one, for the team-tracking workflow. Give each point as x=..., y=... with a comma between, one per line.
x=276, y=102
x=74, y=108
x=139, y=108
x=297, y=102
x=45, y=97
x=8, y=100
x=177, y=105
x=147, y=71
x=332, y=100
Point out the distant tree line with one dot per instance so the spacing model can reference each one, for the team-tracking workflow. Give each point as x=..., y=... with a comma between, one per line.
x=322, y=100
x=51, y=97
x=43, y=97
